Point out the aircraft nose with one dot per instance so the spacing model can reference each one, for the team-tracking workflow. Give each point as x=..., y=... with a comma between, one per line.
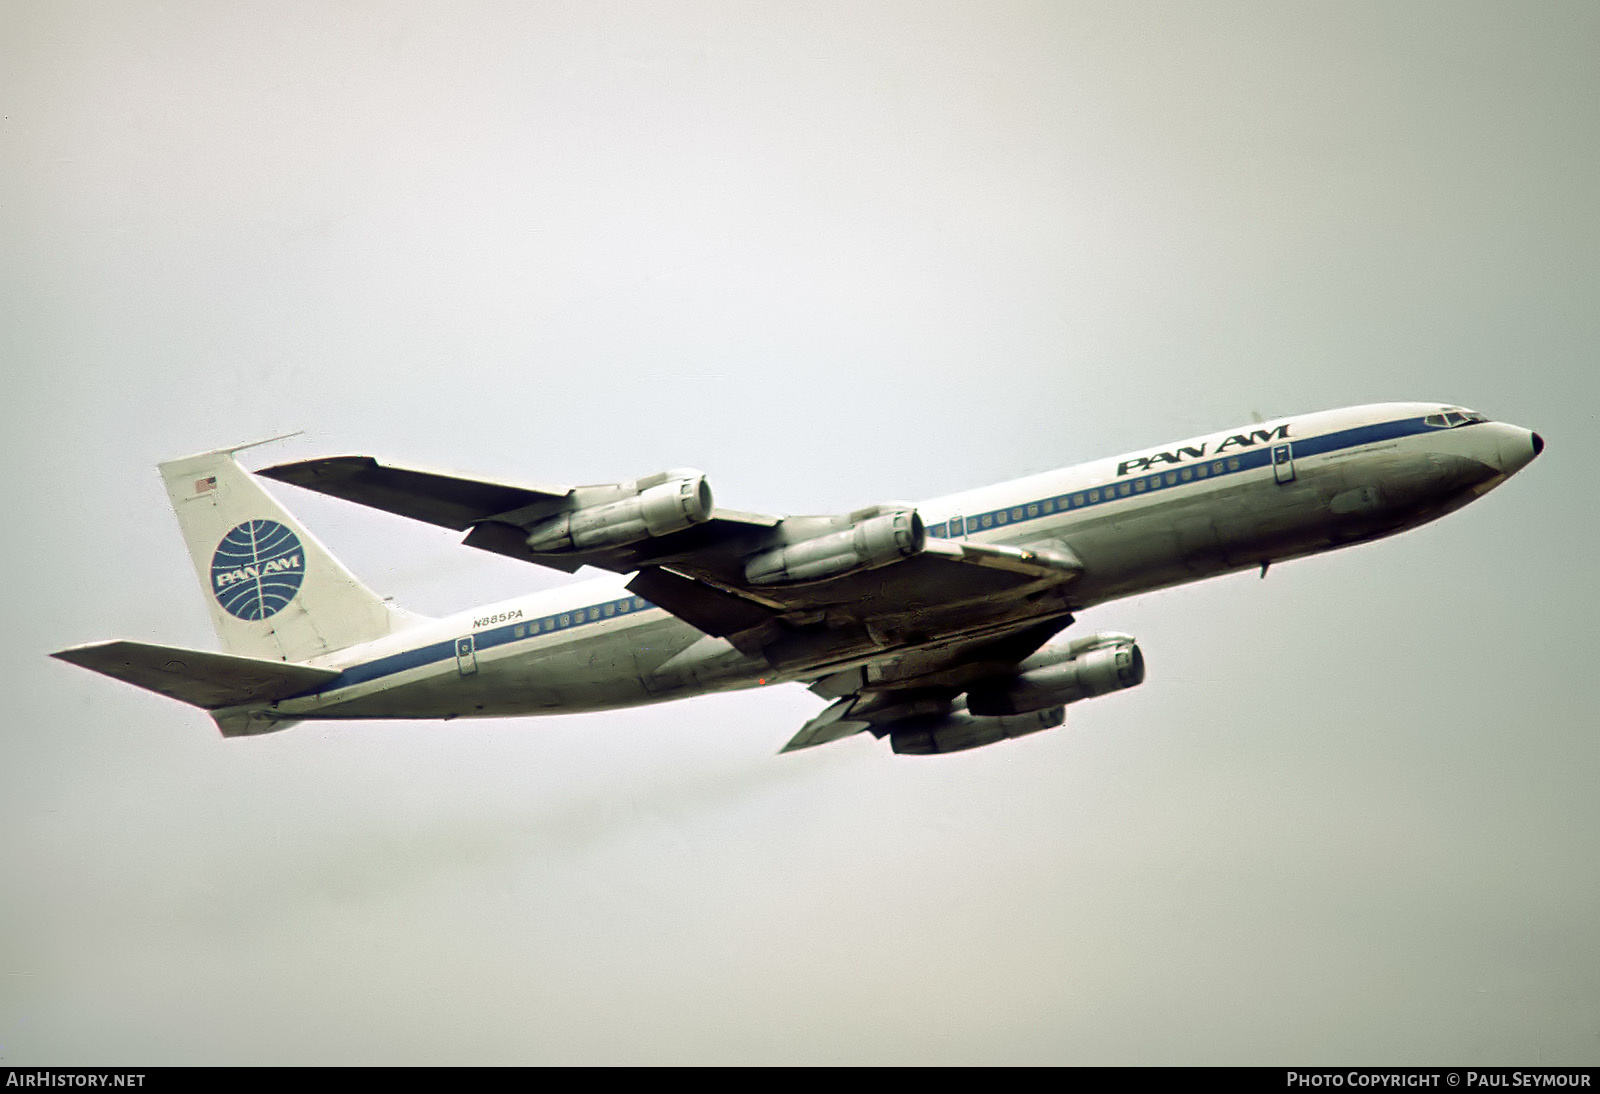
x=1518, y=447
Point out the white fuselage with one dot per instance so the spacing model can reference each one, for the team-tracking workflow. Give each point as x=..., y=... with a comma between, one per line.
x=1137, y=522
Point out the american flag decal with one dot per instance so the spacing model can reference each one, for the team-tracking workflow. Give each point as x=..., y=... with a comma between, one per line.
x=203, y=485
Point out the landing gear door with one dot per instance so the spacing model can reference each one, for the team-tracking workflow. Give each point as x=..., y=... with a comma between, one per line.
x=466, y=655
x=1283, y=462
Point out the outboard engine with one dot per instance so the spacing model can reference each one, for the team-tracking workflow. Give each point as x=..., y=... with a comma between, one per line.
x=656, y=505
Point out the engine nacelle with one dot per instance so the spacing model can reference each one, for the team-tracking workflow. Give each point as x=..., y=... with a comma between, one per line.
x=1089, y=667
x=873, y=542
x=959, y=730
x=659, y=506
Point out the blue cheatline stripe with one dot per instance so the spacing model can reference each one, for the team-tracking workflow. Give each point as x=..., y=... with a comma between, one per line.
x=514, y=631
x=1196, y=471
x=1199, y=471
x=1360, y=435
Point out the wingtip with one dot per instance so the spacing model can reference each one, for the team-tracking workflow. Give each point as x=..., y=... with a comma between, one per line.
x=302, y=472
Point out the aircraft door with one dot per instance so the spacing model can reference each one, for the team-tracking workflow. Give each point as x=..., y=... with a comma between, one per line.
x=1283, y=462
x=466, y=655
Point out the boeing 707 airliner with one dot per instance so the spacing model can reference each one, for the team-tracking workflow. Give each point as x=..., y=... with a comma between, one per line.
x=929, y=624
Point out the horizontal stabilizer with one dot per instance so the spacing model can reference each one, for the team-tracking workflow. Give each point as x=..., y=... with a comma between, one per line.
x=197, y=677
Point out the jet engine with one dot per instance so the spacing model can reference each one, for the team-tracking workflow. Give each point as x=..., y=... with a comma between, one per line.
x=1088, y=667
x=869, y=543
x=959, y=730
x=655, y=505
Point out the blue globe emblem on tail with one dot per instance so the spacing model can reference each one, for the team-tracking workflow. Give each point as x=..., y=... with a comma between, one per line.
x=257, y=569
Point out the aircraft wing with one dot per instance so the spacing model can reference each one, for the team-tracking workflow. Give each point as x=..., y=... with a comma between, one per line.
x=911, y=594
x=919, y=684
x=804, y=590
x=421, y=495
x=498, y=515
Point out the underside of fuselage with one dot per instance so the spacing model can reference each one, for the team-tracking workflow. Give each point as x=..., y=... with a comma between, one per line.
x=1334, y=504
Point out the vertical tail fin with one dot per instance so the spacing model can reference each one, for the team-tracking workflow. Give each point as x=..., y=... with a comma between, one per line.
x=272, y=589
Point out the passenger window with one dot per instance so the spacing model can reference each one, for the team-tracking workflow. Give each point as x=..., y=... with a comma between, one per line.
x=640, y=604
x=566, y=621
x=1124, y=490
x=1216, y=468
x=1233, y=464
x=1016, y=514
x=611, y=609
x=1155, y=482
x=1033, y=510
x=957, y=527
x=1094, y=496
x=1172, y=477
x=1139, y=487
x=1185, y=474
x=1078, y=500
x=1049, y=505
x=988, y=520
x=1200, y=471
x=1000, y=517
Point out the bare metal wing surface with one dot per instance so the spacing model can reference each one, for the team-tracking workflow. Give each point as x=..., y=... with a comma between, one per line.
x=916, y=685
x=501, y=517
x=948, y=700
x=915, y=619
x=421, y=495
x=727, y=573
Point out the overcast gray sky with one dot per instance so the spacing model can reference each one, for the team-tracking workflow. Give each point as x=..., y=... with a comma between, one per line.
x=832, y=254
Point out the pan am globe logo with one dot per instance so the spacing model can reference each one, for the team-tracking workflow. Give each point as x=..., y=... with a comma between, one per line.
x=257, y=569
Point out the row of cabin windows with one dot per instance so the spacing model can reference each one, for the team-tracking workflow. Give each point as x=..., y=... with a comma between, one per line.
x=980, y=521
x=582, y=615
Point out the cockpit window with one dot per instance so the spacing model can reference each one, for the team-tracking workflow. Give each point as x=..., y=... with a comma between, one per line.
x=1451, y=416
